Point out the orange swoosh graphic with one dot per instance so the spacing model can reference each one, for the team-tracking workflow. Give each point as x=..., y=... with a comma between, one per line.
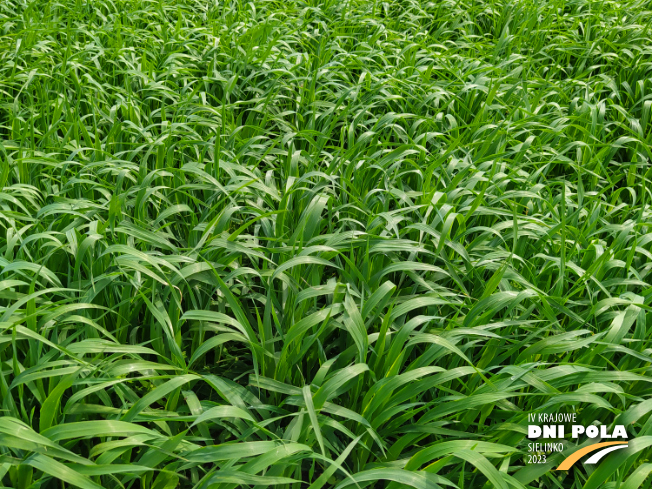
x=575, y=456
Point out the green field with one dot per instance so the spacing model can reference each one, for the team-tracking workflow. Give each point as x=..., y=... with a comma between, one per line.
x=322, y=244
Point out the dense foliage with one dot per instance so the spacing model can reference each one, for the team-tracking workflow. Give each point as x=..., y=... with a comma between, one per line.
x=322, y=244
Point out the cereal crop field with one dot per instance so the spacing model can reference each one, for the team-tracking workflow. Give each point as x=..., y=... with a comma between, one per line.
x=311, y=244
